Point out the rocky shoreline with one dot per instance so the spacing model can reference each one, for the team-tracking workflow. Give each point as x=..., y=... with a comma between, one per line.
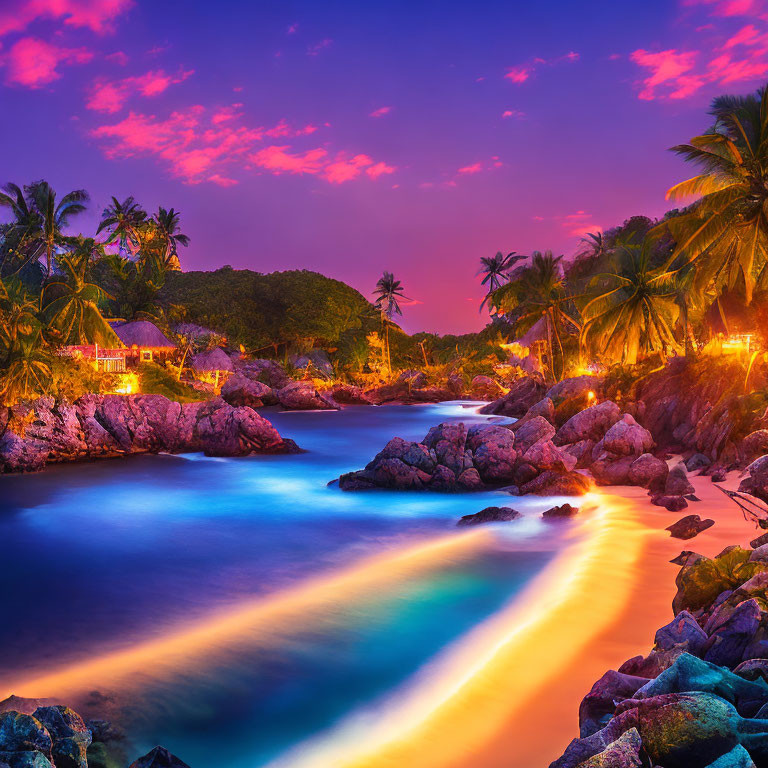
x=699, y=699
x=102, y=426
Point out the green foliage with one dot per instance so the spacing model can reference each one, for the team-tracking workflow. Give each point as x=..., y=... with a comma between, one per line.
x=72, y=378
x=154, y=379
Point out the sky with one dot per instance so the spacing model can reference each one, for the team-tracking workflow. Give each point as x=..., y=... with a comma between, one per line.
x=413, y=136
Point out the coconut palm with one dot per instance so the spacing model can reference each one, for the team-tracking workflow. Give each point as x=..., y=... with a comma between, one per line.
x=18, y=246
x=541, y=294
x=633, y=307
x=496, y=272
x=726, y=230
x=23, y=353
x=121, y=220
x=54, y=217
x=389, y=292
x=168, y=223
x=71, y=302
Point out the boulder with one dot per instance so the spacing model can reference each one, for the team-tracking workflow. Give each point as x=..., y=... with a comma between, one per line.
x=486, y=388
x=414, y=378
x=24, y=760
x=648, y=471
x=268, y=371
x=622, y=753
x=718, y=476
x=754, y=444
x=62, y=722
x=738, y=757
x=159, y=757
x=697, y=461
x=590, y=424
x=544, y=408
x=240, y=390
x=755, y=484
x=612, y=470
x=493, y=451
x=22, y=704
x=689, y=526
x=551, y=483
x=582, y=452
x=469, y=480
x=544, y=454
x=302, y=396
x=573, y=386
x=523, y=393
x=448, y=441
x=315, y=359
x=598, y=706
x=627, y=438
x=753, y=670
x=531, y=431
x=490, y=515
x=726, y=645
x=677, y=483
x=653, y=664
x=564, y=510
x=23, y=733
x=346, y=394
x=682, y=630
x=759, y=541
x=671, y=503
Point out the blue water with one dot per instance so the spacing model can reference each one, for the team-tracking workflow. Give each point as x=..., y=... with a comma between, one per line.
x=99, y=557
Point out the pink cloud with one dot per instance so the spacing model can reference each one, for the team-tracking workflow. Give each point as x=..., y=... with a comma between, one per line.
x=379, y=169
x=96, y=15
x=524, y=72
x=118, y=57
x=732, y=7
x=32, y=62
x=222, y=181
x=470, y=169
x=518, y=74
x=316, y=48
x=380, y=112
x=343, y=169
x=292, y=29
x=283, y=128
x=110, y=96
x=669, y=69
x=508, y=113
x=279, y=160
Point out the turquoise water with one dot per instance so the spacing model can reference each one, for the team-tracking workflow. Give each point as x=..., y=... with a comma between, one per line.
x=103, y=557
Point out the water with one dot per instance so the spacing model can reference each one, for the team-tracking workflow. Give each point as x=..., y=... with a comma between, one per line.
x=232, y=609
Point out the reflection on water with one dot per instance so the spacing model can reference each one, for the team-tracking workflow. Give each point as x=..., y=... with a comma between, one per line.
x=234, y=608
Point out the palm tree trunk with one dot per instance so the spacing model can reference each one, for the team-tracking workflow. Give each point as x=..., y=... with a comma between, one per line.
x=389, y=359
x=549, y=346
x=560, y=346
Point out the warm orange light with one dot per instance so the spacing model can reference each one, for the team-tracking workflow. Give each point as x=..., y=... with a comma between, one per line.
x=590, y=395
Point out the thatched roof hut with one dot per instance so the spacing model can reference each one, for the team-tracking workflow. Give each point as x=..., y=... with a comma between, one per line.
x=144, y=335
x=213, y=360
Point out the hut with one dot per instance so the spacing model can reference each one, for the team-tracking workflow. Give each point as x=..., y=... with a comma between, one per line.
x=144, y=341
x=212, y=365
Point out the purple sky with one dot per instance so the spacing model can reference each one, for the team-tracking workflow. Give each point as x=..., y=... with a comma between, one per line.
x=351, y=137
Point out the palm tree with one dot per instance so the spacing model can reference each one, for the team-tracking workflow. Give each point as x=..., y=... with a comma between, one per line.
x=53, y=217
x=633, y=307
x=23, y=355
x=389, y=292
x=121, y=221
x=541, y=294
x=168, y=222
x=496, y=271
x=71, y=303
x=18, y=235
x=726, y=230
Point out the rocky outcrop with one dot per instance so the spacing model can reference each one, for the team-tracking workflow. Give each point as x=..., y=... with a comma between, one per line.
x=303, y=396
x=523, y=393
x=590, y=424
x=453, y=457
x=347, y=394
x=159, y=757
x=700, y=698
x=485, y=388
x=490, y=515
x=267, y=371
x=756, y=482
x=688, y=527
x=240, y=390
x=97, y=426
x=564, y=510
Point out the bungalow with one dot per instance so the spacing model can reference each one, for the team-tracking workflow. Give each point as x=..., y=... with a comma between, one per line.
x=144, y=341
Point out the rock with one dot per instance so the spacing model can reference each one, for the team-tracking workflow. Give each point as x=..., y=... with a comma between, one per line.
x=760, y=554
x=753, y=670
x=672, y=503
x=590, y=424
x=159, y=757
x=754, y=444
x=756, y=484
x=689, y=526
x=683, y=629
x=523, y=393
x=448, y=441
x=564, y=510
x=551, y=483
x=532, y=431
x=677, y=483
x=697, y=461
x=582, y=452
x=544, y=408
x=622, y=753
x=612, y=470
x=104, y=730
x=24, y=760
x=240, y=390
x=490, y=515
x=719, y=476
x=469, y=480
x=24, y=705
x=494, y=455
x=598, y=706
x=654, y=663
x=648, y=471
x=23, y=733
x=728, y=642
x=315, y=359
x=486, y=388
x=627, y=438
x=524, y=473
x=70, y=735
x=264, y=370
x=678, y=730
x=545, y=455
x=302, y=396
x=346, y=394
x=576, y=385
x=759, y=541
x=738, y=757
